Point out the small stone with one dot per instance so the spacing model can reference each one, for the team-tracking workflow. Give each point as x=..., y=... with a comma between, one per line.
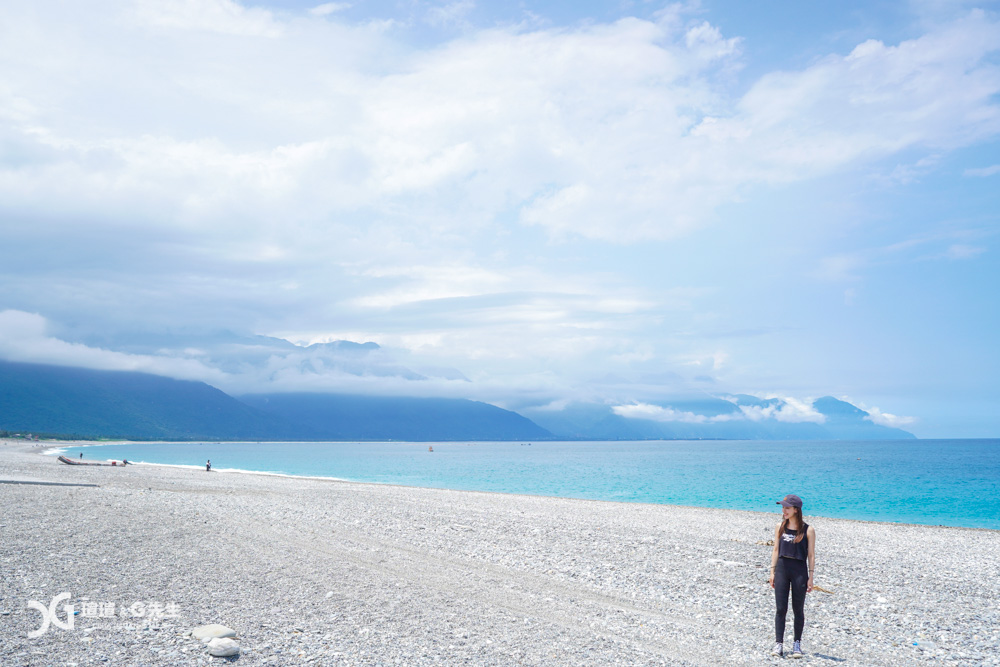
x=223, y=647
x=212, y=631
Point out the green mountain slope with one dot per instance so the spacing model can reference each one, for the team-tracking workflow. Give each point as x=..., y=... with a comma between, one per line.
x=344, y=417
x=118, y=404
x=86, y=403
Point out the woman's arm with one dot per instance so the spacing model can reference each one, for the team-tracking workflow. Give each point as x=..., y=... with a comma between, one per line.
x=774, y=554
x=811, y=536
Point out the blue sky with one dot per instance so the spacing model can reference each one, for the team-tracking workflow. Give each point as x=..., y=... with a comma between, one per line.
x=522, y=203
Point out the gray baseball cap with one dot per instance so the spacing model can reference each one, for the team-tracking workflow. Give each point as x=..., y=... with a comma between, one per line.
x=790, y=501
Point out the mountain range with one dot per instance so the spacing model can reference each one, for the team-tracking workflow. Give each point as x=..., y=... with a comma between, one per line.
x=739, y=417
x=87, y=403
x=78, y=402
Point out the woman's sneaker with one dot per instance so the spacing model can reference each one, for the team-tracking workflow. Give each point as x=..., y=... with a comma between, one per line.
x=778, y=650
x=797, y=650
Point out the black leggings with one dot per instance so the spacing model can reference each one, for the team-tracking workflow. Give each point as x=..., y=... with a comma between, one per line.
x=790, y=573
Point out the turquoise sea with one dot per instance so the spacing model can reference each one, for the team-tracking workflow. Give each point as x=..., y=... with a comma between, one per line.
x=936, y=482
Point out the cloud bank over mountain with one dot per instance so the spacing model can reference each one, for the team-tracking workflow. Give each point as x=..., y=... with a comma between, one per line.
x=270, y=366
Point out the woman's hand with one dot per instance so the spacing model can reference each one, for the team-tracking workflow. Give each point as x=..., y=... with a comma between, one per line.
x=770, y=579
x=809, y=585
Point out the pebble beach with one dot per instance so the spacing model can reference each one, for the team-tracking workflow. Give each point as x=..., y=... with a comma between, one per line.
x=323, y=572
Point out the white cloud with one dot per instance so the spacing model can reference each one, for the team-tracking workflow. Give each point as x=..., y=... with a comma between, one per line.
x=24, y=337
x=842, y=268
x=794, y=410
x=657, y=413
x=876, y=101
x=427, y=283
x=756, y=413
x=620, y=131
x=328, y=8
x=851, y=266
x=667, y=414
x=706, y=42
x=789, y=410
x=876, y=416
x=983, y=172
x=708, y=361
x=452, y=13
x=270, y=365
x=222, y=16
x=908, y=173
x=964, y=251
x=237, y=367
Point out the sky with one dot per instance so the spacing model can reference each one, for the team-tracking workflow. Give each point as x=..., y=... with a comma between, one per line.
x=530, y=204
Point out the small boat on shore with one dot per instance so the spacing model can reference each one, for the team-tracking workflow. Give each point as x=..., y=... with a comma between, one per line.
x=81, y=462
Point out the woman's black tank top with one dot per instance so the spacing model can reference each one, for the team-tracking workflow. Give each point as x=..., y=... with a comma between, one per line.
x=787, y=548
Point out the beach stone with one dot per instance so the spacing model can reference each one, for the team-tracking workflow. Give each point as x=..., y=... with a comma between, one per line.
x=212, y=631
x=223, y=647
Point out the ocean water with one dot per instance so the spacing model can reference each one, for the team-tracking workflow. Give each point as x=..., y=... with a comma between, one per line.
x=935, y=482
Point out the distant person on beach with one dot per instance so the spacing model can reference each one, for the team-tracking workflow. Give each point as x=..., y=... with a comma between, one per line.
x=81, y=455
x=208, y=465
x=793, y=560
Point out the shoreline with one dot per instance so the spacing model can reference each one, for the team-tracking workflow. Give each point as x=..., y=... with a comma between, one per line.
x=330, y=572
x=243, y=471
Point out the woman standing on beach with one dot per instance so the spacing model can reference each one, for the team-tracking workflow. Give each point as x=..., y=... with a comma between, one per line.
x=793, y=560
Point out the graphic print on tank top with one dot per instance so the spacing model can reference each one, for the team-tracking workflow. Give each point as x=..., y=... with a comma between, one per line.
x=790, y=549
